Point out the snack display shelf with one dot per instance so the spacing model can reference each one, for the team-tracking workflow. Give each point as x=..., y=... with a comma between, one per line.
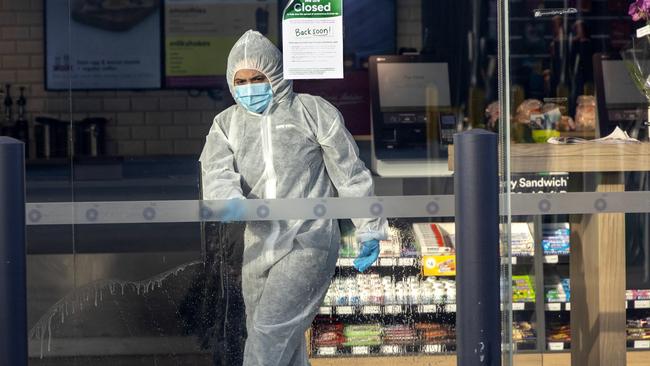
x=403, y=309
x=526, y=358
x=386, y=350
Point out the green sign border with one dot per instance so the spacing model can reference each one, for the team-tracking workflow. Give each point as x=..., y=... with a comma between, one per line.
x=335, y=10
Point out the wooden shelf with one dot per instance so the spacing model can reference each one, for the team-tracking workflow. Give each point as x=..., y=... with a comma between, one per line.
x=636, y=358
x=588, y=157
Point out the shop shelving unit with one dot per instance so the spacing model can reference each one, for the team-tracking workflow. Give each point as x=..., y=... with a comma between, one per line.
x=540, y=312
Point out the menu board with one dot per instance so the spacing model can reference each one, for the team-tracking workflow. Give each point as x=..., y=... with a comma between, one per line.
x=200, y=33
x=110, y=44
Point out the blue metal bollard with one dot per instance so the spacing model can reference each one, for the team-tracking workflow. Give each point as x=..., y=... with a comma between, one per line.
x=13, y=282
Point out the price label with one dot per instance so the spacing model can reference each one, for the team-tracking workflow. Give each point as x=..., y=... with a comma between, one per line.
x=642, y=304
x=518, y=306
x=360, y=350
x=406, y=262
x=568, y=306
x=325, y=310
x=388, y=262
x=346, y=262
x=556, y=346
x=427, y=309
x=392, y=309
x=391, y=349
x=370, y=310
x=641, y=344
x=643, y=31
x=326, y=351
x=551, y=259
x=450, y=308
x=433, y=348
x=554, y=307
x=345, y=310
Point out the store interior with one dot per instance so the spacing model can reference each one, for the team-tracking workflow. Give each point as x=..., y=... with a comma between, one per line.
x=113, y=103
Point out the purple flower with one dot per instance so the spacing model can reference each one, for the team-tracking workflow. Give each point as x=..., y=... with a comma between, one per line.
x=639, y=10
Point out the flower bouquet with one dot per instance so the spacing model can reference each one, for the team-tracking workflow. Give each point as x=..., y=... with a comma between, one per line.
x=636, y=57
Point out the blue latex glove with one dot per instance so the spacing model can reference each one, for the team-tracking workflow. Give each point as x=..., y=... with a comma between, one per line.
x=234, y=210
x=368, y=256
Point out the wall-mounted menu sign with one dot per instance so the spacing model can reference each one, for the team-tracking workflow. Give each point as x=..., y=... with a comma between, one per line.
x=539, y=183
x=200, y=33
x=102, y=44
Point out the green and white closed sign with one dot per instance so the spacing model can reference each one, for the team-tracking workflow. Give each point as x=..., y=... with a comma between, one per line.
x=312, y=39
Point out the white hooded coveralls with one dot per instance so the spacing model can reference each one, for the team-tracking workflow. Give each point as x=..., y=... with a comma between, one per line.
x=297, y=148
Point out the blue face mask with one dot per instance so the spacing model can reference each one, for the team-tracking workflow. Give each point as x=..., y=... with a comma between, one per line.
x=254, y=97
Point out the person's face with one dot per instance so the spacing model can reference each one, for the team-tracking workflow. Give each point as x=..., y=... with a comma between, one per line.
x=249, y=76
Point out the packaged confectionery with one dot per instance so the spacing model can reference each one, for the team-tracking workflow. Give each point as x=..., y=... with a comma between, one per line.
x=523, y=331
x=556, y=239
x=559, y=333
x=435, y=333
x=372, y=289
x=586, y=113
x=527, y=108
x=363, y=335
x=522, y=289
x=328, y=335
x=401, y=334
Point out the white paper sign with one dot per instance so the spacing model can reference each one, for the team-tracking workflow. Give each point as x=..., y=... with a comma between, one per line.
x=643, y=31
x=406, y=261
x=392, y=309
x=345, y=262
x=360, y=350
x=326, y=351
x=551, y=259
x=518, y=306
x=641, y=344
x=554, y=306
x=345, y=310
x=556, y=346
x=370, y=310
x=391, y=349
x=427, y=309
x=312, y=39
x=642, y=304
x=450, y=308
x=433, y=348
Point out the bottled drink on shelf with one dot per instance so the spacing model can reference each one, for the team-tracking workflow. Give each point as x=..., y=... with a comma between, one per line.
x=21, y=129
x=8, y=103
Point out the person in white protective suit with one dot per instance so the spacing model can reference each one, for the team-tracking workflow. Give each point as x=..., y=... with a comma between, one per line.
x=274, y=143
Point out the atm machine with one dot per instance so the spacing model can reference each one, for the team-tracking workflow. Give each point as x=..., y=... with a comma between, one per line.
x=413, y=121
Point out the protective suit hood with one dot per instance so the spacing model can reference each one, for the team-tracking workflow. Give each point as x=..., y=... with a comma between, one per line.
x=254, y=51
